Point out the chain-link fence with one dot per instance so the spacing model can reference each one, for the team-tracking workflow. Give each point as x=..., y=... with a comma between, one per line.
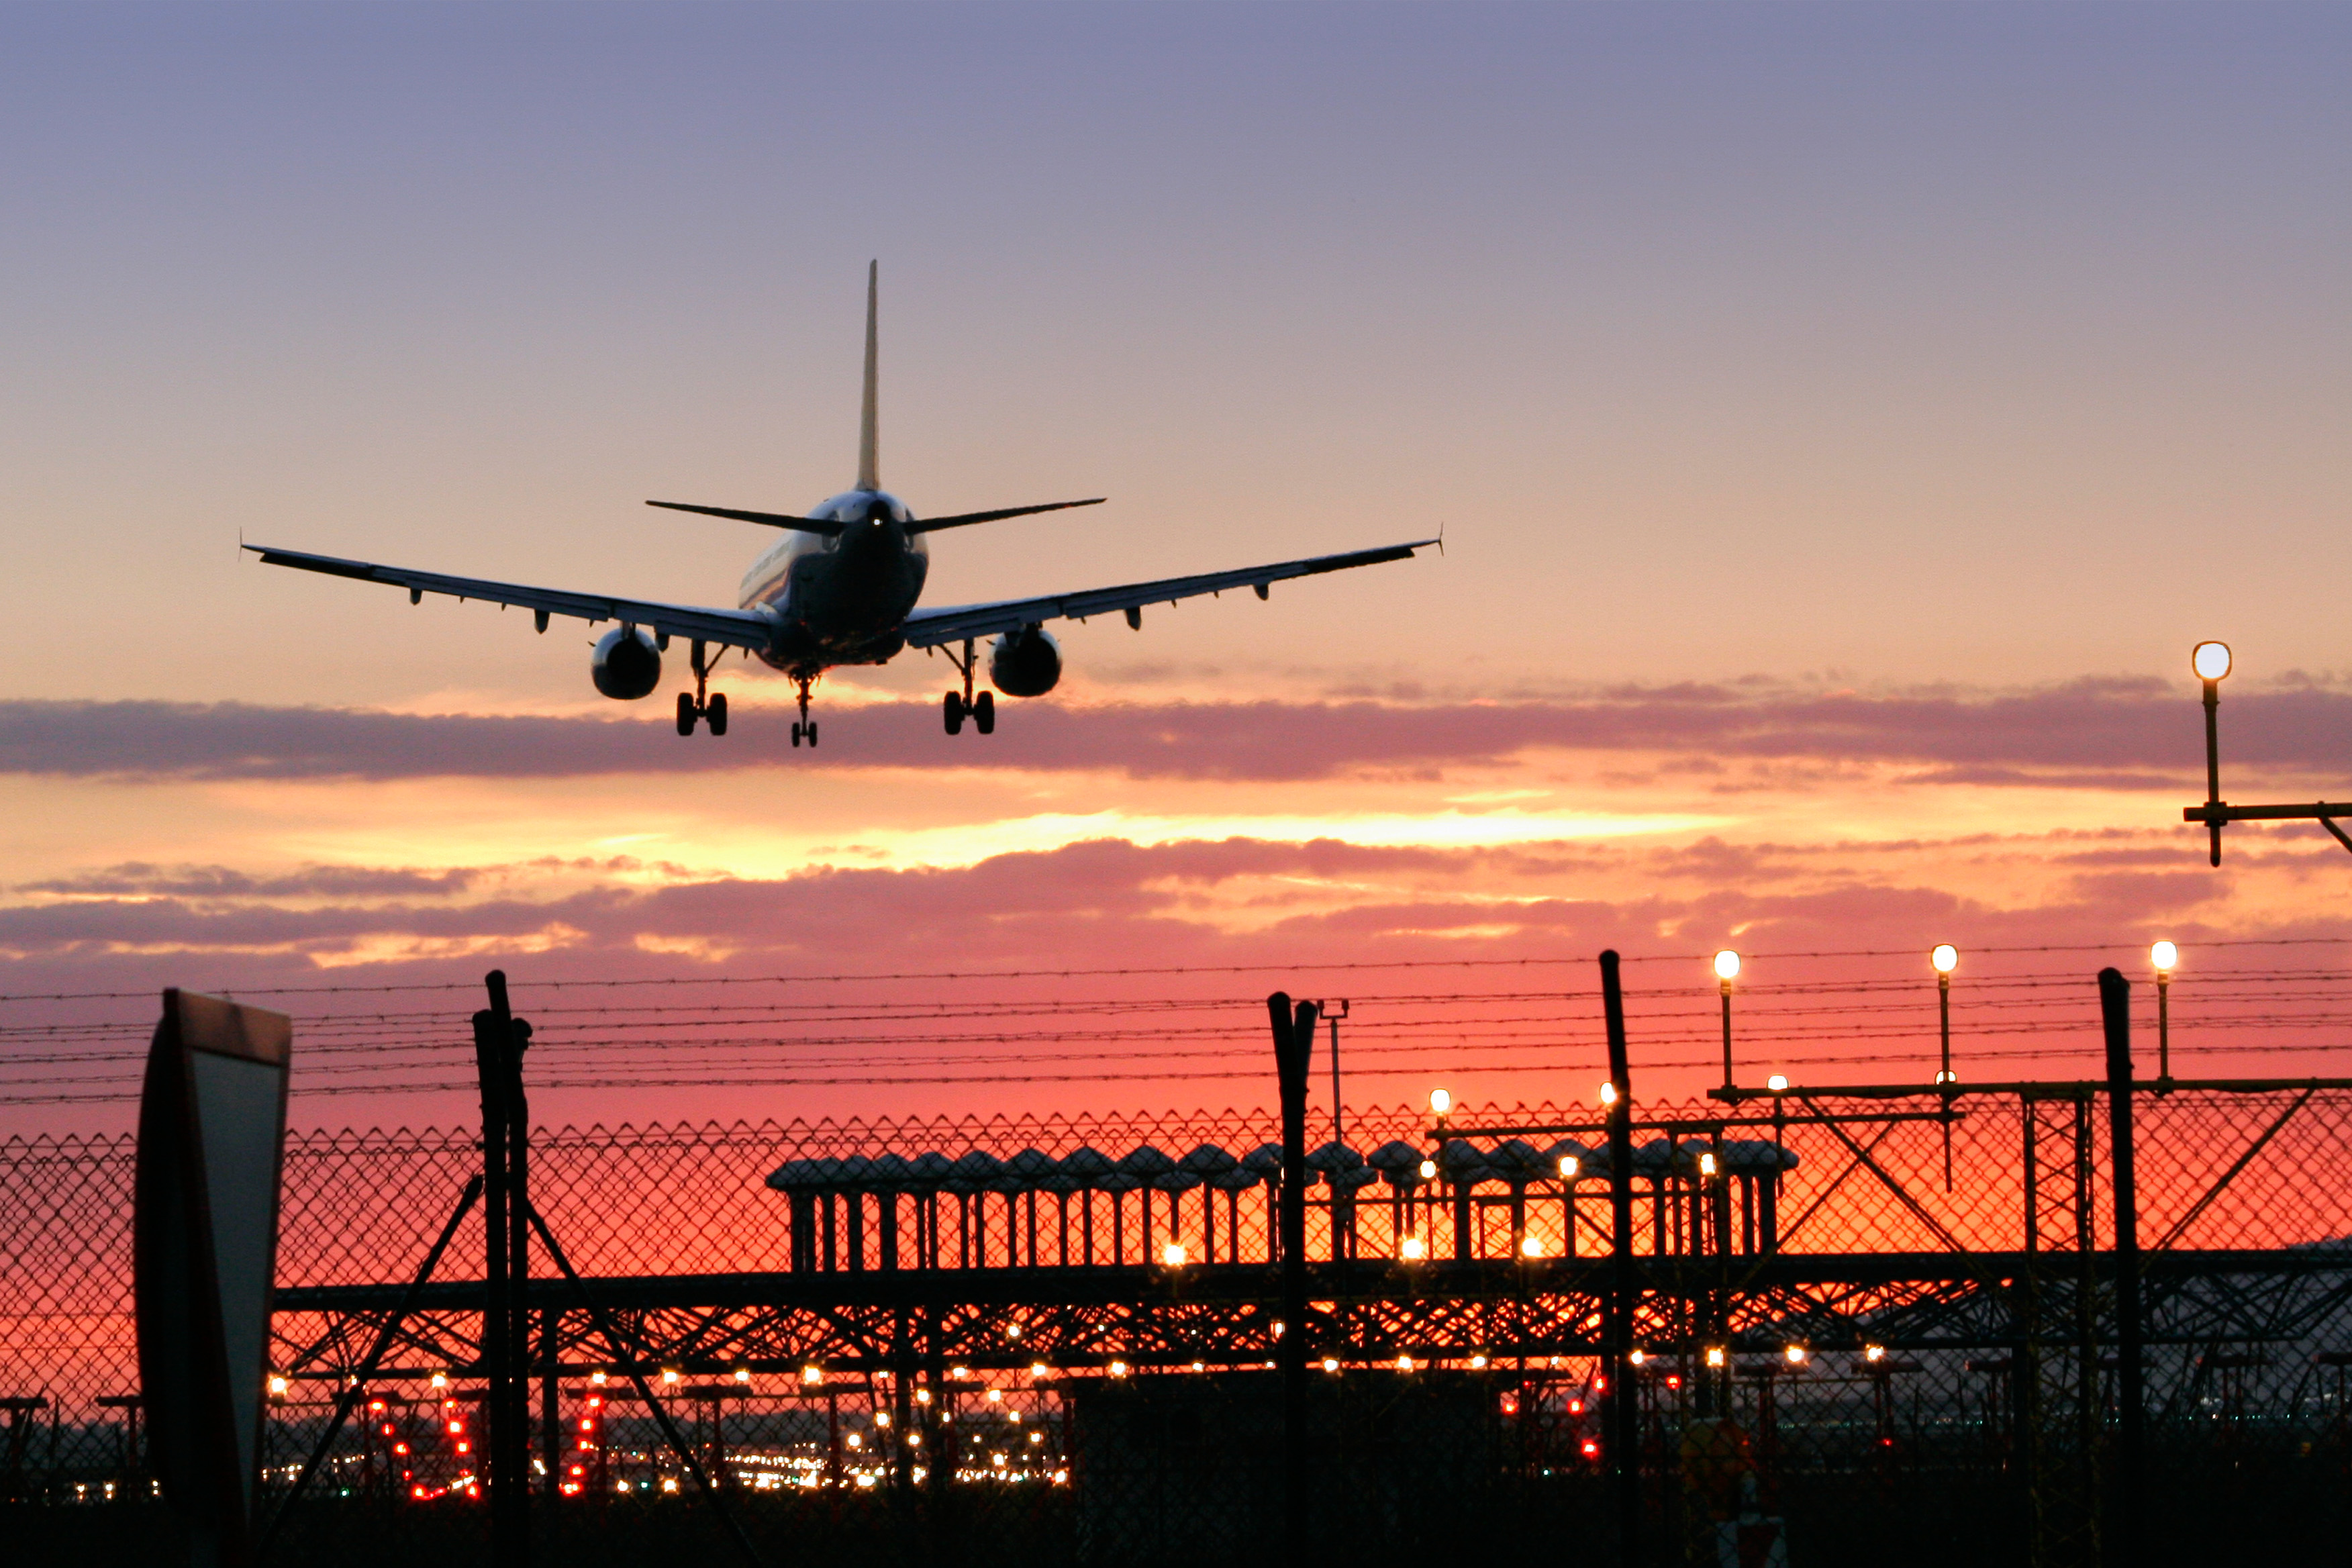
x=1892, y=1322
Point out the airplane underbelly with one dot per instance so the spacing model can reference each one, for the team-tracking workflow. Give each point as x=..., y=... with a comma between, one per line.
x=840, y=610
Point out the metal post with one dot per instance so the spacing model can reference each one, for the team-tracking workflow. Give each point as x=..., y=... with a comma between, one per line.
x=490, y=1040
x=1294, y=1044
x=1624, y=1423
x=511, y=1414
x=1728, y=1079
x=2214, y=762
x=1338, y=1131
x=2115, y=1008
x=1944, y=1075
x=2164, y=1025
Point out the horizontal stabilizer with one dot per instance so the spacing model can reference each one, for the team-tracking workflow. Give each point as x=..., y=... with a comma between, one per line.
x=771, y=518
x=933, y=524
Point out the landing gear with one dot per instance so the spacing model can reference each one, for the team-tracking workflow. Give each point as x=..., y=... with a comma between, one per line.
x=807, y=727
x=713, y=707
x=955, y=707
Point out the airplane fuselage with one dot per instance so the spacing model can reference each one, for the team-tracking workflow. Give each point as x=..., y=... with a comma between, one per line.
x=841, y=599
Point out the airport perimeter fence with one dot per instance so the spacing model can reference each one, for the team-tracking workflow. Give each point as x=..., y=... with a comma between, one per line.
x=1834, y=1330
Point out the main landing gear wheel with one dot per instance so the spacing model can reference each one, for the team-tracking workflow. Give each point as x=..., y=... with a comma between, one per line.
x=687, y=713
x=956, y=707
x=716, y=711
x=698, y=705
x=809, y=730
x=805, y=729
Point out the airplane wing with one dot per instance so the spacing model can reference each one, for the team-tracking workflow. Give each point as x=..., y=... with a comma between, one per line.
x=954, y=623
x=734, y=628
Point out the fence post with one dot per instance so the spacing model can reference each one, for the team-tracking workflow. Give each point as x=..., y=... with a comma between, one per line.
x=2115, y=1009
x=1624, y=1422
x=489, y=1056
x=1294, y=1047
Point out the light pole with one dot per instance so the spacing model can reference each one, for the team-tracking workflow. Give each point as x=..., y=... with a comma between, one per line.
x=1332, y=1012
x=1945, y=958
x=2164, y=955
x=1726, y=970
x=2212, y=662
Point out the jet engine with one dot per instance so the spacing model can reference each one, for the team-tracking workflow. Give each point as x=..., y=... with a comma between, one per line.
x=628, y=664
x=1026, y=663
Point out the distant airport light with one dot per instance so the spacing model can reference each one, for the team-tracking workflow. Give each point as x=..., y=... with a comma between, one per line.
x=812, y=1376
x=1567, y=1166
x=1172, y=1254
x=2164, y=955
x=1413, y=1249
x=1873, y=1353
x=2212, y=660
x=1707, y=1163
x=1715, y=1355
x=1429, y=1169
x=1727, y=966
x=1530, y=1246
x=1796, y=1355
x=1440, y=1101
x=1778, y=1083
x=1637, y=1356
x=1945, y=958
x=1330, y=1364
x=1608, y=1092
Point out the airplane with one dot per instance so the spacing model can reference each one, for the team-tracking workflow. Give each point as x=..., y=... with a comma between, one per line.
x=841, y=587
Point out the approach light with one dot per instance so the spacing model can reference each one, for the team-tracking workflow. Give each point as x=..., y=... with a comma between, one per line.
x=1715, y=1355
x=1637, y=1356
x=1413, y=1249
x=1706, y=1162
x=1568, y=1167
x=742, y=1374
x=2212, y=660
x=1608, y=1092
x=1778, y=1083
x=277, y=1387
x=812, y=1376
x=1945, y=958
x=1530, y=1246
x=1172, y=1254
x=1727, y=966
x=1429, y=1169
x=2164, y=955
x=1873, y=1353
x=596, y=1377
x=1796, y=1354
x=1330, y=1364
x=1440, y=1101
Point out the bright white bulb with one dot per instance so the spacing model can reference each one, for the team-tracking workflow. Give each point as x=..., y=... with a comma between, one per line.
x=1429, y=1169
x=2164, y=955
x=1727, y=965
x=1607, y=1093
x=2211, y=659
x=1440, y=1101
x=1945, y=958
x=1567, y=1166
x=1778, y=1083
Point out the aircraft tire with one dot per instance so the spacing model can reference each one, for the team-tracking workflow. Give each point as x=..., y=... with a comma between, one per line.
x=686, y=715
x=717, y=712
x=951, y=713
x=984, y=713
x=796, y=731
x=812, y=727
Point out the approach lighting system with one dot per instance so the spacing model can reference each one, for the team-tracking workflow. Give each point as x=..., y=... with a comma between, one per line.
x=1567, y=1166
x=2212, y=660
x=1945, y=958
x=1440, y=1101
x=2164, y=956
x=1727, y=966
x=1778, y=1083
x=1608, y=1092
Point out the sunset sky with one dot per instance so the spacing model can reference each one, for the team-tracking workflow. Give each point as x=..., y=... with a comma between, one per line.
x=1841, y=419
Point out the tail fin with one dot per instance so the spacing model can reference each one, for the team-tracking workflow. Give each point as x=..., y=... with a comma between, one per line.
x=869, y=439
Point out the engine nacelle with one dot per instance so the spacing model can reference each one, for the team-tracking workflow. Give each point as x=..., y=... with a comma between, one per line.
x=627, y=665
x=1026, y=663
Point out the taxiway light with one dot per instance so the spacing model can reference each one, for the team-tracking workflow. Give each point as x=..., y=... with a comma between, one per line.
x=1727, y=966
x=2211, y=659
x=2164, y=955
x=1440, y=1101
x=1945, y=958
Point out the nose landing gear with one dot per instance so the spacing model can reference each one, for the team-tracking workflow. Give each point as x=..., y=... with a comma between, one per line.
x=712, y=708
x=956, y=707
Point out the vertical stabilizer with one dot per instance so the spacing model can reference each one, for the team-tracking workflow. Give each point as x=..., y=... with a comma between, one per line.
x=869, y=441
